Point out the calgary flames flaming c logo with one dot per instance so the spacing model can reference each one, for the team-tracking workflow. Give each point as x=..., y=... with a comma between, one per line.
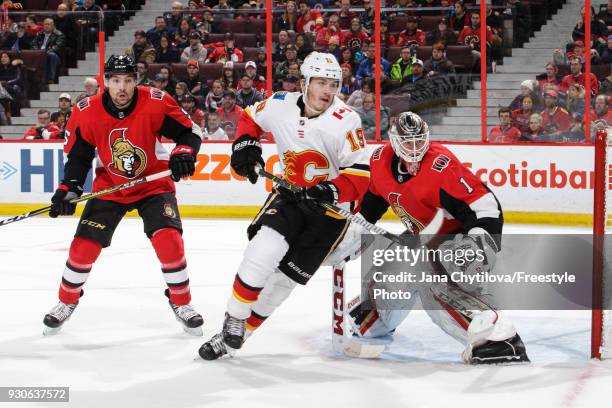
x=296, y=165
x=128, y=160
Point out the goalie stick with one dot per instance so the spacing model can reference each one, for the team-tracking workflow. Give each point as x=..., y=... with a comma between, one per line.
x=89, y=196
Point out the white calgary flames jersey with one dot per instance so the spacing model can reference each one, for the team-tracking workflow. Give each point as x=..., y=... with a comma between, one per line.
x=330, y=146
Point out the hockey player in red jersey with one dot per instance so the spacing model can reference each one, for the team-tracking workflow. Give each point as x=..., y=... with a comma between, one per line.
x=420, y=180
x=322, y=150
x=125, y=125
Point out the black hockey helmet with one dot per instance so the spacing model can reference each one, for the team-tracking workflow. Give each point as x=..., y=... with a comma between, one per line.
x=119, y=64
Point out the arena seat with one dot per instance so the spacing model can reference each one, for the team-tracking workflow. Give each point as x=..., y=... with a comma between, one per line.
x=233, y=26
x=426, y=23
x=460, y=55
x=250, y=53
x=241, y=40
x=254, y=26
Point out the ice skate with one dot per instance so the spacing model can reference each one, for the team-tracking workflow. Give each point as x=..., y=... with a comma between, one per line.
x=54, y=320
x=499, y=352
x=213, y=348
x=233, y=332
x=228, y=341
x=191, y=320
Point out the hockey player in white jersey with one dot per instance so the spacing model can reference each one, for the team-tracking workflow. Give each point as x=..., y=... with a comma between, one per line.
x=322, y=150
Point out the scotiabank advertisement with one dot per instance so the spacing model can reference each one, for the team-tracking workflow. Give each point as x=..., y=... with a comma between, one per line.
x=525, y=178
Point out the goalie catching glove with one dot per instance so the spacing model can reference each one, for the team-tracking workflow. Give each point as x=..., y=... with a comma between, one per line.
x=60, y=202
x=246, y=154
x=474, y=254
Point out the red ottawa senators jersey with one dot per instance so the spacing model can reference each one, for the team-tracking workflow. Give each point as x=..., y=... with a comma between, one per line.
x=128, y=142
x=442, y=182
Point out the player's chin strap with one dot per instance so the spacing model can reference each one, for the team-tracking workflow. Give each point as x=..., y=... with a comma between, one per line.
x=85, y=197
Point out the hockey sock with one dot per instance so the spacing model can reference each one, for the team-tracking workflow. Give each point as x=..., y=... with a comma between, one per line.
x=168, y=245
x=261, y=258
x=275, y=291
x=83, y=253
x=254, y=321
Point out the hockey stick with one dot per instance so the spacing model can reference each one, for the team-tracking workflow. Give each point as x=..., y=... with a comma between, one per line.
x=340, y=211
x=89, y=196
x=341, y=338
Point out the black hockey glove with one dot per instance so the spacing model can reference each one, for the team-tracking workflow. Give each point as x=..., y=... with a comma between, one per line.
x=246, y=153
x=182, y=162
x=310, y=199
x=60, y=202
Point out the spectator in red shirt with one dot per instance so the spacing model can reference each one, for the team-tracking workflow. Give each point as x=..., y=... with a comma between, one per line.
x=324, y=33
x=601, y=116
x=187, y=102
x=470, y=36
x=576, y=75
x=355, y=37
x=556, y=120
x=228, y=52
x=229, y=113
x=466, y=36
x=308, y=17
x=44, y=129
x=32, y=27
x=346, y=15
x=412, y=32
x=259, y=82
x=520, y=117
x=505, y=132
x=551, y=78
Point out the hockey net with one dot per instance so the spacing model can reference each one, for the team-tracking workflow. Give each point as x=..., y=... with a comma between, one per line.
x=601, y=333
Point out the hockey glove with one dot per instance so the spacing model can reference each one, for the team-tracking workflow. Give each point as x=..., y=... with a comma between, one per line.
x=246, y=153
x=60, y=202
x=310, y=199
x=182, y=162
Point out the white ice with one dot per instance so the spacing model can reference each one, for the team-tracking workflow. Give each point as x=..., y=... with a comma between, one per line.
x=123, y=347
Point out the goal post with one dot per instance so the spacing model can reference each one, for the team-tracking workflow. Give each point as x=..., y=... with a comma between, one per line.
x=601, y=330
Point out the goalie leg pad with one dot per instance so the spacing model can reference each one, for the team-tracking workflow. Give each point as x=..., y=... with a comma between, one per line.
x=83, y=253
x=261, y=258
x=170, y=250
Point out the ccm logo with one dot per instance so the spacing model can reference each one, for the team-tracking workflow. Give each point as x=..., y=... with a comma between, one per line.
x=338, y=299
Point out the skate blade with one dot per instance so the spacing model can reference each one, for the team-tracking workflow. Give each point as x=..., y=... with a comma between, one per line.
x=231, y=352
x=51, y=331
x=194, y=331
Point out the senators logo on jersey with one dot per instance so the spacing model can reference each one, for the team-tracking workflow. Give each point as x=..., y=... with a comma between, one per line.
x=296, y=165
x=409, y=221
x=128, y=160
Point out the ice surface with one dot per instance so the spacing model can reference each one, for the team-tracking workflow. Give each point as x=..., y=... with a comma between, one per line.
x=124, y=348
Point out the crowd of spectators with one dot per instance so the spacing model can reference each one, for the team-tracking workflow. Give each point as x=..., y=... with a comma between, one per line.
x=174, y=52
x=552, y=107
